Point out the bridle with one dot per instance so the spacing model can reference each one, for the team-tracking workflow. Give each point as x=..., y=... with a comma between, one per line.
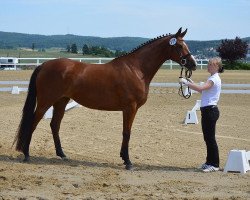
x=188, y=74
x=184, y=58
x=181, y=92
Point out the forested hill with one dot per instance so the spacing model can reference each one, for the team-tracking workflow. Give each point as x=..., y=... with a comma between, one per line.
x=15, y=40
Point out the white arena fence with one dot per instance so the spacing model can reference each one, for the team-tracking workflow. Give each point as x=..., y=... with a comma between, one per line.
x=33, y=62
x=18, y=86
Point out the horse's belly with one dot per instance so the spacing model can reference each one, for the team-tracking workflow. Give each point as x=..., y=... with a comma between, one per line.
x=99, y=101
x=107, y=94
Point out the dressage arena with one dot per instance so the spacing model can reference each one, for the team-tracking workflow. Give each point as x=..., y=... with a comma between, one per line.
x=164, y=151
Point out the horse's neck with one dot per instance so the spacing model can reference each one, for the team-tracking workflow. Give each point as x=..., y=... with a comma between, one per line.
x=149, y=58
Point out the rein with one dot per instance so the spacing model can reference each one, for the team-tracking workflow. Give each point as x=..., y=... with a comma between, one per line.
x=181, y=92
x=188, y=74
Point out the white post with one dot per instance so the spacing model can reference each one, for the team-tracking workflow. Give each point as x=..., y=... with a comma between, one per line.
x=15, y=90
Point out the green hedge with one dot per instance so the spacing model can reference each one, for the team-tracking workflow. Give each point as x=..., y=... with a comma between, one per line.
x=236, y=65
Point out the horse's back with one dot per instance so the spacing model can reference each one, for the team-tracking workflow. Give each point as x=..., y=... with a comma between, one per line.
x=60, y=65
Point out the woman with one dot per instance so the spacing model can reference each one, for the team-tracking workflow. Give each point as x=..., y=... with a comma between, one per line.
x=210, y=94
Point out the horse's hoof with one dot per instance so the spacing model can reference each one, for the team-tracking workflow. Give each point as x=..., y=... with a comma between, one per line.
x=129, y=167
x=60, y=154
x=26, y=160
x=64, y=158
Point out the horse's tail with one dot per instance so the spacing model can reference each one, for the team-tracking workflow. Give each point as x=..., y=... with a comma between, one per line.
x=24, y=131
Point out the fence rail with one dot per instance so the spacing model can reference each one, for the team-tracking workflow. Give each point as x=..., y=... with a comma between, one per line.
x=38, y=61
x=238, y=88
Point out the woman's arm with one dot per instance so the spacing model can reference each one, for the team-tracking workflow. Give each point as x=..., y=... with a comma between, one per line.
x=200, y=88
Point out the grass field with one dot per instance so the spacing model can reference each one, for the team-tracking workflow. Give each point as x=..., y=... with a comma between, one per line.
x=28, y=53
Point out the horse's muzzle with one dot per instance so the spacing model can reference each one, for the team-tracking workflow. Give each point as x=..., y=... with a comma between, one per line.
x=191, y=63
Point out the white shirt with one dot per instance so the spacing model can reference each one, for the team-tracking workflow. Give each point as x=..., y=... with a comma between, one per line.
x=211, y=96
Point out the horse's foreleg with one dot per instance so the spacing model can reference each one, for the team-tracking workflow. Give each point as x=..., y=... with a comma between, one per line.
x=58, y=113
x=128, y=118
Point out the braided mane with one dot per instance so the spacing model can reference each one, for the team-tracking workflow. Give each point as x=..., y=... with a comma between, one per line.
x=145, y=43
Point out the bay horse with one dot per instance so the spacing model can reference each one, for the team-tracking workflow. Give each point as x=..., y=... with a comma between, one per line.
x=120, y=85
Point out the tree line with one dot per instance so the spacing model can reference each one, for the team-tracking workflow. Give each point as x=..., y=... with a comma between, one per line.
x=94, y=50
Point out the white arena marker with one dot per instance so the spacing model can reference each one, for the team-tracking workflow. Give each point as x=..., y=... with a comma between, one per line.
x=197, y=105
x=238, y=161
x=191, y=117
x=71, y=105
x=49, y=113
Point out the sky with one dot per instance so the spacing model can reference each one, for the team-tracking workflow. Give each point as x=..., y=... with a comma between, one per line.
x=205, y=20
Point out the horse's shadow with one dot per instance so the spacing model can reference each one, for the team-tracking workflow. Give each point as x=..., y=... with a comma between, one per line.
x=40, y=160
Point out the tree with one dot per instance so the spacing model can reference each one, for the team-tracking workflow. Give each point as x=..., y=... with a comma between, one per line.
x=85, y=49
x=100, y=51
x=68, y=48
x=74, y=48
x=33, y=46
x=119, y=53
x=232, y=50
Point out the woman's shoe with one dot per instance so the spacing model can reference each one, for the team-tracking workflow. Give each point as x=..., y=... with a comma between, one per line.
x=211, y=168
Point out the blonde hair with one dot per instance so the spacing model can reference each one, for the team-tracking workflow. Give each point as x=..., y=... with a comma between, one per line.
x=217, y=62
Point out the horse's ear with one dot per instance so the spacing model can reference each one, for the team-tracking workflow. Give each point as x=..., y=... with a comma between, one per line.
x=178, y=32
x=183, y=33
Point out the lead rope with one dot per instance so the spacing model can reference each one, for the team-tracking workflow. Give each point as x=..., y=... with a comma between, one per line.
x=181, y=92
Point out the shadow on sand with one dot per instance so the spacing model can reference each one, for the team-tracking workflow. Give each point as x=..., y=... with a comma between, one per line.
x=37, y=160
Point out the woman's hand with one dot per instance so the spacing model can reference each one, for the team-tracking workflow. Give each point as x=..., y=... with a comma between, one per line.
x=185, y=81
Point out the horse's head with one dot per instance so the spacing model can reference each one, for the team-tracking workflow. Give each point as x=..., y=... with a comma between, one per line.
x=180, y=51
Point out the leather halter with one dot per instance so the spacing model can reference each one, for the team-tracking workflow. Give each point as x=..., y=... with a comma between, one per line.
x=184, y=59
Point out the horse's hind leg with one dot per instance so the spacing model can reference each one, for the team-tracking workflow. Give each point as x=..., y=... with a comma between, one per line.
x=58, y=112
x=38, y=115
